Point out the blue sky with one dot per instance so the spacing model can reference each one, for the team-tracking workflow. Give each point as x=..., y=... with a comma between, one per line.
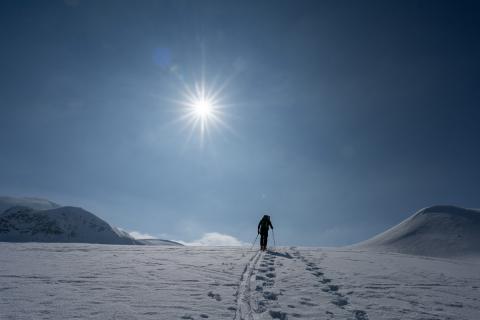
x=343, y=117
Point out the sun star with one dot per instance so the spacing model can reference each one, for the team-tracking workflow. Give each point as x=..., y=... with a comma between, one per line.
x=203, y=110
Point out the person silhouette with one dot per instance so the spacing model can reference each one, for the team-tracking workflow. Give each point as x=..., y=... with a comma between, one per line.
x=263, y=227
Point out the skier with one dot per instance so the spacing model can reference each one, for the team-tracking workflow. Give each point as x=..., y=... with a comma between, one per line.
x=263, y=226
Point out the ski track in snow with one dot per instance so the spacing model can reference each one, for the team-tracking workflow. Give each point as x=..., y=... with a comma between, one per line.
x=68, y=281
x=244, y=308
x=265, y=300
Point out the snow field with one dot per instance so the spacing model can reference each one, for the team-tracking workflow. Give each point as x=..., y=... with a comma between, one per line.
x=85, y=281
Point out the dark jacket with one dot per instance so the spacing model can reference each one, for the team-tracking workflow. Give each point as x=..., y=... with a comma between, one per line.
x=264, y=224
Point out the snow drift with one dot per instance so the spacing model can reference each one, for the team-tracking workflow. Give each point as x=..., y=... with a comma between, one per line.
x=442, y=231
x=62, y=224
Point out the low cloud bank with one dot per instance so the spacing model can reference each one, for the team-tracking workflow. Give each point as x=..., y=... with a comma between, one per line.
x=215, y=239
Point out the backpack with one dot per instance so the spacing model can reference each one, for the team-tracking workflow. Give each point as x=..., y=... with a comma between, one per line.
x=264, y=223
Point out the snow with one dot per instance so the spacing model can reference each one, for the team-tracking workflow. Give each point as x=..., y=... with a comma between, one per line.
x=62, y=224
x=442, y=231
x=158, y=242
x=30, y=202
x=66, y=281
x=424, y=268
x=31, y=219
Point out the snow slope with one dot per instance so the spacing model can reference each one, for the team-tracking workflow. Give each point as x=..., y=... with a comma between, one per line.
x=86, y=281
x=61, y=224
x=442, y=231
x=158, y=242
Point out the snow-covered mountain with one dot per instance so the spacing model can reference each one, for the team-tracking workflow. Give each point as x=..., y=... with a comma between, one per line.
x=34, y=203
x=442, y=231
x=62, y=224
x=30, y=219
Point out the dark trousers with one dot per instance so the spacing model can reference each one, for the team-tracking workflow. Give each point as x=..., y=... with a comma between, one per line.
x=263, y=240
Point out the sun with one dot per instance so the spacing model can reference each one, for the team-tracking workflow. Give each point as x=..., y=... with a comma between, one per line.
x=203, y=108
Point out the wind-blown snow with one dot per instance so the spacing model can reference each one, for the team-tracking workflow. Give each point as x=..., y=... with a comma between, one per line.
x=66, y=281
x=443, y=231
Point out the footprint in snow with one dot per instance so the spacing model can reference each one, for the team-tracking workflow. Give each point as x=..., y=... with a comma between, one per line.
x=333, y=287
x=340, y=301
x=268, y=282
x=215, y=296
x=278, y=315
x=261, y=307
x=270, y=295
x=360, y=315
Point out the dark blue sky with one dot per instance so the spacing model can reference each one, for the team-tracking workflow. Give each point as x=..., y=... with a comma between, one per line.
x=345, y=116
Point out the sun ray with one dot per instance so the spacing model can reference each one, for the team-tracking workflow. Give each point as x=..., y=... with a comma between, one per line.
x=202, y=108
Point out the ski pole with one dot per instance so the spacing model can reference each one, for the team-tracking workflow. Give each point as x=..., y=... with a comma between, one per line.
x=254, y=242
x=274, y=244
